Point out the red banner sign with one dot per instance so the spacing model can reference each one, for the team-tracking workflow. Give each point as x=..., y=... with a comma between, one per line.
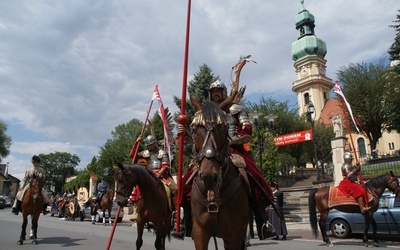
x=296, y=137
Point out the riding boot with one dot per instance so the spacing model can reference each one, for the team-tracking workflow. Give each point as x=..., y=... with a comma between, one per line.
x=17, y=207
x=361, y=203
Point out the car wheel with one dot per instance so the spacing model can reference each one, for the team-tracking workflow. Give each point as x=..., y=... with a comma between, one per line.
x=340, y=229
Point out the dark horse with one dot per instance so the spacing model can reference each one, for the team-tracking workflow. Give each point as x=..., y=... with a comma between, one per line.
x=318, y=197
x=32, y=204
x=105, y=203
x=152, y=205
x=219, y=198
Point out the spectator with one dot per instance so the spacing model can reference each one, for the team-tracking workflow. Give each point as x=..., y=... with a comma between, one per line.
x=278, y=223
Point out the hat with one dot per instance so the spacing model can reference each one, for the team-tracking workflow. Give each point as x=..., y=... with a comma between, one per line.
x=274, y=184
x=103, y=178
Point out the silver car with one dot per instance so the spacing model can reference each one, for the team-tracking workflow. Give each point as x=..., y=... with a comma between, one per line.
x=85, y=213
x=387, y=217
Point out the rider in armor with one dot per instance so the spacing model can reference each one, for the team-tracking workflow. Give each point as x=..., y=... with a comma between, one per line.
x=349, y=184
x=102, y=188
x=239, y=133
x=35, y=170
x=157, y=161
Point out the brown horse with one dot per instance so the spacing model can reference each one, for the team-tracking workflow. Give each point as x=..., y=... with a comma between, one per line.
x=104, y=204
x=219, y=196
x=319, y=197
x=32, y=204
x=152, y=205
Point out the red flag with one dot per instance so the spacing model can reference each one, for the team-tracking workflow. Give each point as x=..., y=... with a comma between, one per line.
x=161, y=111
x=338, y=91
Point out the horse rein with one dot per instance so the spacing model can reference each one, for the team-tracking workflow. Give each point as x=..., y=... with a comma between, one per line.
x=126, y=193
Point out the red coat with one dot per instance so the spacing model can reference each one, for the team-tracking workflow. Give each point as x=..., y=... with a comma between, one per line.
x=256, y=193
x=351, y=188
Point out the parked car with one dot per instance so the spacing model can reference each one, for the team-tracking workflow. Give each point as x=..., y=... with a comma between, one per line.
x=2, y=203
x=85, y=213
x=387, y=217
x=9, y=202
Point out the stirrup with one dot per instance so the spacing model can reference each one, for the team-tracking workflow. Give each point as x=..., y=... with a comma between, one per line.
x=267, y=231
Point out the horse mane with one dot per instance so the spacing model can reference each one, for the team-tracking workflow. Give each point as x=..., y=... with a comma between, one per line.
x=210, y=113
x=141, y=171
x=376, y=182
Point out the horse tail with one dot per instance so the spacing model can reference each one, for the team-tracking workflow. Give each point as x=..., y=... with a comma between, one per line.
x=313, y=212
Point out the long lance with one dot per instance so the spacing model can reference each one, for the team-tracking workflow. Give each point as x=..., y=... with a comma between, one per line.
x=136, y=148
x=182, y=118
x=261, y=188
x=137, y=142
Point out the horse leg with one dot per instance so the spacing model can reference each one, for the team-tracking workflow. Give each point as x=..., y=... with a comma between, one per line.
x=35, y=219
x=104, y=217
x=322, y=227
x=200, y=238
x=140, y=227
x=374, y=228
x=368, y=220
x=23, y=230
x=109, y=217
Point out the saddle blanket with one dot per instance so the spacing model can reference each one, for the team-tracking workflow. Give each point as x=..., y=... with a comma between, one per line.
x=338, y=198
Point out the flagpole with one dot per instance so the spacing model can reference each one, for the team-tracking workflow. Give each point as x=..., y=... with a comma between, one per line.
x=182, y=118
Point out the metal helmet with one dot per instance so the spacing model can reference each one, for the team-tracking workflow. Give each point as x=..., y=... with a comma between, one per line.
x=150, y=140
x=218, y=85
x=348, y=157
x=346, y=168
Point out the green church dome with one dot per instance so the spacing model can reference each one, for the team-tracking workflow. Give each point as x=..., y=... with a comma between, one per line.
x=308, y=43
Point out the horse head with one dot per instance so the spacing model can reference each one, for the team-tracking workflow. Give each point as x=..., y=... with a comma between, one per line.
x=210, y=136
x=393, y=184
x=35, y=187
x=126, y=178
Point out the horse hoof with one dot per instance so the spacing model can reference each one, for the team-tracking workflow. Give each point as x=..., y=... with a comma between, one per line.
x=31, y=237
x=93, y=222
x=35, y=242
x=20, y=242
x=329, y=244
x=376, y=244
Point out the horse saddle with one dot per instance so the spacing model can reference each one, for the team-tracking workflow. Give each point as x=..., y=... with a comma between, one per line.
x=339, y=198
x=239, y=162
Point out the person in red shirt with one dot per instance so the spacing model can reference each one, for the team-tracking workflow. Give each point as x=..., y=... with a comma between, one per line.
x=349, y=185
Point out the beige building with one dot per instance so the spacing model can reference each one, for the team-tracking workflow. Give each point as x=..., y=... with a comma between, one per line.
x=313, y=86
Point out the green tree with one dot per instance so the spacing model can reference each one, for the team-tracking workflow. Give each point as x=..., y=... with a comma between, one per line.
x=369, y=89
x=59, y=166
x=118, y=148
x=5, y=141
x=394, y=50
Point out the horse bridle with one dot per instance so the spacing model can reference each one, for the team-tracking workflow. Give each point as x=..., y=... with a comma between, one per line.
x=126, y=193
x=210, y=151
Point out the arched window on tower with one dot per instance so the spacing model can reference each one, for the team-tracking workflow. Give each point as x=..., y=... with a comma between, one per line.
x=306, y=98
x=362, y=151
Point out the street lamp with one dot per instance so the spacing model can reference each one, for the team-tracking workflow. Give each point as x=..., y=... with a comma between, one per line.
x=256, y=116
x=310, y=111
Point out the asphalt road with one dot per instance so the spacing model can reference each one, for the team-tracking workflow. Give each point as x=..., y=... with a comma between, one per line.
x=54, y=234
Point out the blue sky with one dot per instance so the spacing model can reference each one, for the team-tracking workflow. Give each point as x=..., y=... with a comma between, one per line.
x=71, y=71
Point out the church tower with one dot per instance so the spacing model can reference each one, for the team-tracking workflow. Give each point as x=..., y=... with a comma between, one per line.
x=308, y=54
